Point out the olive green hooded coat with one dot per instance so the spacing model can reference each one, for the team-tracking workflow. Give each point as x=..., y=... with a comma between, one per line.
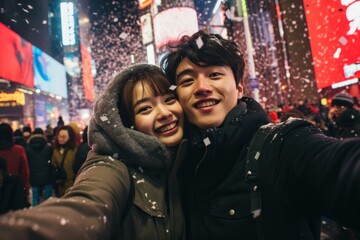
x=106, y=202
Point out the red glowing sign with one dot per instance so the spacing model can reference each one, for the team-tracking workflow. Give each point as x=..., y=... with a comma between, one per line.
x=16, y=61
x=86, y=73
x=334, y=32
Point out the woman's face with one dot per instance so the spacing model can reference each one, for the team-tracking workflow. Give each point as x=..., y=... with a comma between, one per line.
x=159, y=116
x=63, y=137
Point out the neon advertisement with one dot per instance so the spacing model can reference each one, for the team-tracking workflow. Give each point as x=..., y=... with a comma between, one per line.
x=50, y=75
x=334, y=33
x=16, y=63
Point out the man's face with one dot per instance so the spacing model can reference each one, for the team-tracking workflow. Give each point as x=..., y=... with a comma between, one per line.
x=206, y=93
x=339, y=110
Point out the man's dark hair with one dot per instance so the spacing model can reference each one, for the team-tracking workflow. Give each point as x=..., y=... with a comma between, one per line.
x=204, y=49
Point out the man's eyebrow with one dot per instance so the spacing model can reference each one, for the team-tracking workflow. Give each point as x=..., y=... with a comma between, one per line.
x=184, y=72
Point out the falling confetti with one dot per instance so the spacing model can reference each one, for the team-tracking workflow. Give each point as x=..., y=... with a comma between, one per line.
x=123, y=35
x=199, y=42
x=103, y=118
x=207, y=141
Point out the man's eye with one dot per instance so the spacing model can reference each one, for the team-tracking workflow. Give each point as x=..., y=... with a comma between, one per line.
x=216, y=74
x=186, y=81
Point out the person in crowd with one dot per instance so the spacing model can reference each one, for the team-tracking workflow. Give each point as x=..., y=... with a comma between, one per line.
x=12, y=191
x=77, y=131
x=303, y=107
x=63, y=156
x=295, y=113
x=274, y=117
x=344, y=122
x=82, y=151
x=39, y=153
x=17, y=163
x=127, y=188
x=59, y=124
x=344, y=119
x=49, y=133
x=19, y=138
x=243, y=177
x=26, y=131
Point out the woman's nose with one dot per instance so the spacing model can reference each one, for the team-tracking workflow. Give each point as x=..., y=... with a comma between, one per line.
x=163, y=112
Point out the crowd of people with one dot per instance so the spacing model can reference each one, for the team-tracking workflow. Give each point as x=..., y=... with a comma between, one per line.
x=340, y=118
x=32, y=155
x=178, y=152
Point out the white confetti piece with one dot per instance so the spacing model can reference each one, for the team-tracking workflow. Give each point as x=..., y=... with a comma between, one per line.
x=104, y=118
x=199, y=42
x=140, y=181
x=257, y=155
x=343, y=40
x=172, y=87
x=337, y=53
x=207, y=141
x=123, y=35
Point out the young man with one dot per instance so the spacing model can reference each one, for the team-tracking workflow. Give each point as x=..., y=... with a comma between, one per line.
x=296, y=175
x=344, y=118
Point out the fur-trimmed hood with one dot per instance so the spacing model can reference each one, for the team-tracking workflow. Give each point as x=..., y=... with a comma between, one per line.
x=107, y=134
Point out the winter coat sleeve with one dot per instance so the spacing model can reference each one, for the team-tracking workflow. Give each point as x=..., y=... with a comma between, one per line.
x=24, y=170
x=320, y=173
x=90, y=209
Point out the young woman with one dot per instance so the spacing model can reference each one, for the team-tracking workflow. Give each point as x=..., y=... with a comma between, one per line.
x=127, y=188
x=63, y=156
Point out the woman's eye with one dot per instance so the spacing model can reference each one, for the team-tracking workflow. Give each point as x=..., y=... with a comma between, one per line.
x=170, y=99
x=143, y=109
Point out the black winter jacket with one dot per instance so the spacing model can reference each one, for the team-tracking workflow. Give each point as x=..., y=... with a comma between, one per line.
x=39, y=153
x=299, y=180
x=347, y=125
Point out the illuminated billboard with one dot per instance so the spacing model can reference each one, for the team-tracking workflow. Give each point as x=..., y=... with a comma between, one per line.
x=50, y=75
x=334, y=32
x=88, y=80
x=16, y=63
x=171, y=24
x=67, y=23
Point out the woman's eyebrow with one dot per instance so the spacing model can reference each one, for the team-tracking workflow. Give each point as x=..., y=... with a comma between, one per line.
x=141, y=101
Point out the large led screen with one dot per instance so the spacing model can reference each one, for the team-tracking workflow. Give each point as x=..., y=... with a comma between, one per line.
x=16, y=63
x=88, y=79
x=50, y=75
x=171, y=24
x=334, y=32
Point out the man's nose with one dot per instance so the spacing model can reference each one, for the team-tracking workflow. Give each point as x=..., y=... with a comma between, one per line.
x=203, y=87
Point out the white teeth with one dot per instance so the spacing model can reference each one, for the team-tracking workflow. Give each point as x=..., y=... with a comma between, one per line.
x=166, y=128
x=206, y=104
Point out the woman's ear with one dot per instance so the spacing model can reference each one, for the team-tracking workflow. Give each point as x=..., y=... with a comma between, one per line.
x=240, y=90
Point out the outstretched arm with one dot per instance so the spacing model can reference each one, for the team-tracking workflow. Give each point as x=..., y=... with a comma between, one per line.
x=91, y=208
